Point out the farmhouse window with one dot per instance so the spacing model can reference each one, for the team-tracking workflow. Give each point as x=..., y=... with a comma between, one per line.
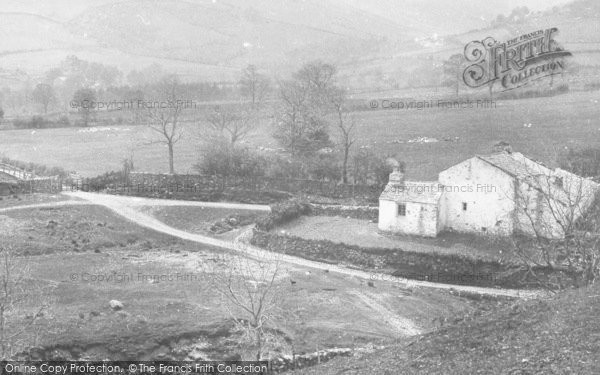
x=464, y=206
x=401, y=209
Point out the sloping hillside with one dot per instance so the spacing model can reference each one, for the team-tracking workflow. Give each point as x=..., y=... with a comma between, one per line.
x=214, y=39
x=419, y=62
x=577, y=23
x=225, y=33
x=203, y=37
x=559, y=336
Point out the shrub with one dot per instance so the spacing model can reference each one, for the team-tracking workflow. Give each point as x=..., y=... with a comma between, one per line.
x=281, y=167
x=368, y=168
x=222, y=159
x=282, y=213
x=324, y=167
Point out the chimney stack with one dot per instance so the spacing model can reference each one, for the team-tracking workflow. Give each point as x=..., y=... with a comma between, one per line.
x=503, y=146
x=397, y=177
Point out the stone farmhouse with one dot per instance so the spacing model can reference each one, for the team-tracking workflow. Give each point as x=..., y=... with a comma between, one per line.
x=498, y=194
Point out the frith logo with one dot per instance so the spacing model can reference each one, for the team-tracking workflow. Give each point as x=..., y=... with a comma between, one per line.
x=516, y=62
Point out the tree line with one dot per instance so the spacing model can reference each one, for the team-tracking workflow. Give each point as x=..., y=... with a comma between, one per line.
x=309, y=119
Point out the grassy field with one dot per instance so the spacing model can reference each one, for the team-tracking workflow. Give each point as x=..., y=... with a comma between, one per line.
x=49, y=230
x=66, y=249
x=569, y=120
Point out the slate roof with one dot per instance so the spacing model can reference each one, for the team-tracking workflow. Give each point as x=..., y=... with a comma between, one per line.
x=564, y=187
x=515, y=164
x=570, y=190
x=428, y=192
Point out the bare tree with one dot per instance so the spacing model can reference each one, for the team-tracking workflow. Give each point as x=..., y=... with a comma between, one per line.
x=345, y=126
x=251, y=291
x=301, y=125
x=254, y=86
x=234, y=126
x=43, y=94
x=559, y=210
x=319, y=79
x=291, y=117
x=163, y=115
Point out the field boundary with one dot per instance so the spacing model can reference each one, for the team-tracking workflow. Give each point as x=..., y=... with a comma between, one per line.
x=454, y=269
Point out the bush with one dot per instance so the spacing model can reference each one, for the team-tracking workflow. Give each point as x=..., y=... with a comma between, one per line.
x=282, y=213
x=368, y=168
x=219, y=158
x=324, y=167
x=281, y=167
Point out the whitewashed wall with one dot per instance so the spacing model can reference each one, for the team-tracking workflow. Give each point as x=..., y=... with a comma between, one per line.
x=421, y=219
x=493, y=210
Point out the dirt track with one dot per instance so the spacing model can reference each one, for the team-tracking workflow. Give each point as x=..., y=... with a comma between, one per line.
x=126, y=207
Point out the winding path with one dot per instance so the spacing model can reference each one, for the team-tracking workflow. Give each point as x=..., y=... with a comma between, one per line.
x=126, y=207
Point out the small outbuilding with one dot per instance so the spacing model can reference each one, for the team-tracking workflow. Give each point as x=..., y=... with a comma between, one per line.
x=409, y=207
